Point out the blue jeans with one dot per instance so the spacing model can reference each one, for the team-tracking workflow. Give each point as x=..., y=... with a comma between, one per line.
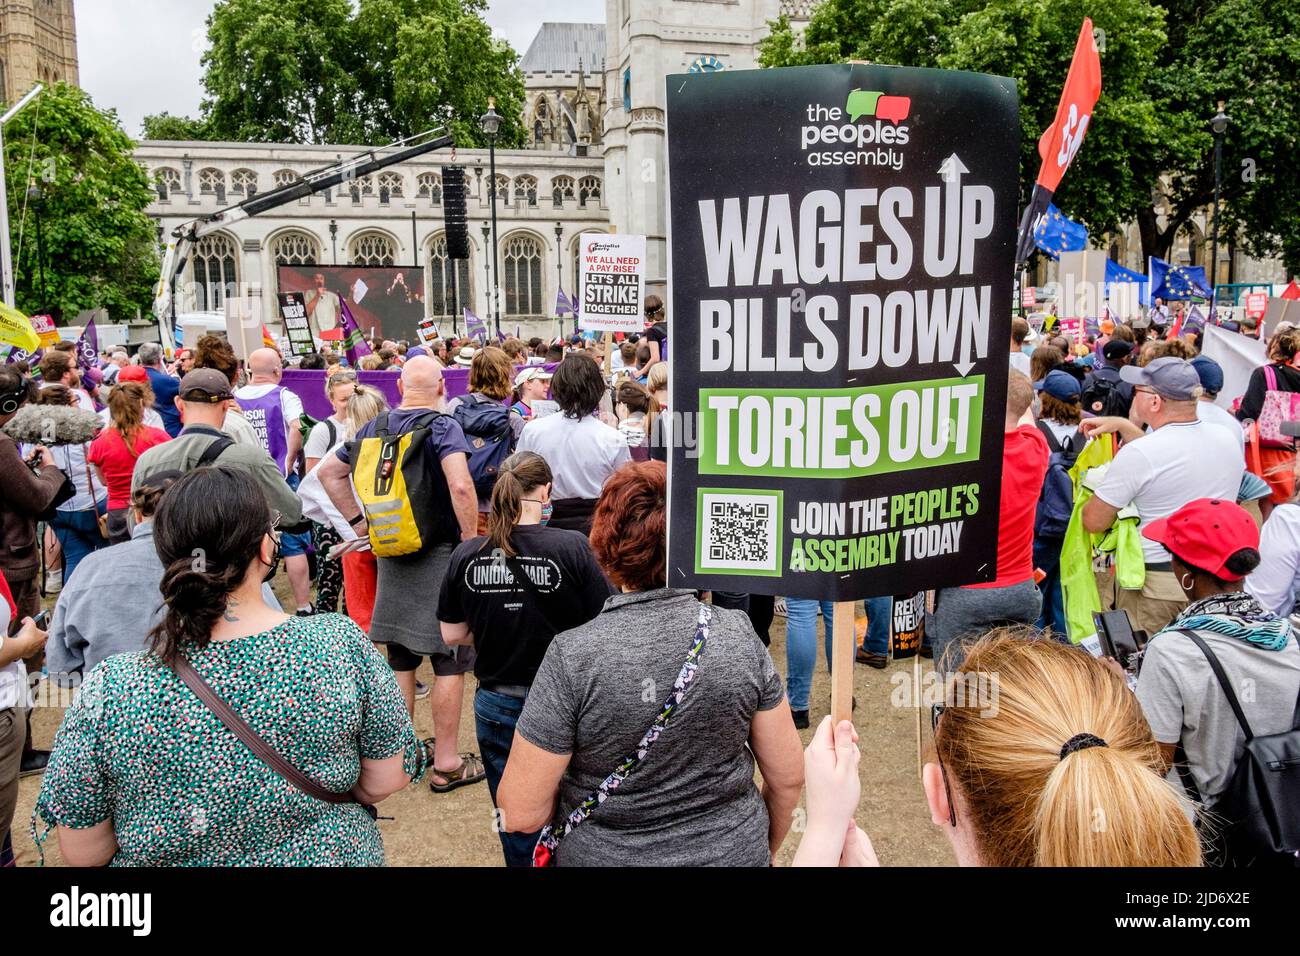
x=495, y=716
x=801, y=640
x=1047, y=556
x=78, y=534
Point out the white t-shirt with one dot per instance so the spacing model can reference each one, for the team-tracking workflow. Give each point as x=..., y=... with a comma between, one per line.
x=318, y=441
x=1276, y=582
x=1167, y=468
x=1217, y=415
x=582, y=453
x=1020, y=362
x=1063, y=434
x=14, y=689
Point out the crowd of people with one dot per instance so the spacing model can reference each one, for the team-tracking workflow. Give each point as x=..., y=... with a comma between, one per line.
x=517, y=533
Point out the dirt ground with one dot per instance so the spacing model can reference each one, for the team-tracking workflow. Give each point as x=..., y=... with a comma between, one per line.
x=456, y=829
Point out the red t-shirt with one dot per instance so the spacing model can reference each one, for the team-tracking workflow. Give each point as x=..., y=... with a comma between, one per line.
x=116, y=462
x=1024, y=466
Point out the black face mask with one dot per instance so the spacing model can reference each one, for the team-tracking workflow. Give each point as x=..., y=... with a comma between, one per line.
x=275, y=563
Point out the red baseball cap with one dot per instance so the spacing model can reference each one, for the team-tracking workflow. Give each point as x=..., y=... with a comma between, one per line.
x=1205, y=533
x=132, y=373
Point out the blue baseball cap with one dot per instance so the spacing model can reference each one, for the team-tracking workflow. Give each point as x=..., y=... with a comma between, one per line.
x=1062, y=386
x=1210, y=373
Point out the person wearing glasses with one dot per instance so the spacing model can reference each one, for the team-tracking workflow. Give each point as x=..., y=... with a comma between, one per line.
x=1053, y=766
x=1181, y=459
x=145, y=773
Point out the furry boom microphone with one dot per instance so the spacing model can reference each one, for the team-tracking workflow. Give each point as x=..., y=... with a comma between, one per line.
x=53, y=425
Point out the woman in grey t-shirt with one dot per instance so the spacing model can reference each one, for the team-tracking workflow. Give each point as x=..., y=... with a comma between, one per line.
x=693, y=800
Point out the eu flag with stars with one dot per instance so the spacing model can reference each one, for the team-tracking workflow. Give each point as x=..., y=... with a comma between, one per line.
x=1169, y=281
x=1055, y=234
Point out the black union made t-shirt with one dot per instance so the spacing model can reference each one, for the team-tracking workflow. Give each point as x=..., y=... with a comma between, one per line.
x=512, y=626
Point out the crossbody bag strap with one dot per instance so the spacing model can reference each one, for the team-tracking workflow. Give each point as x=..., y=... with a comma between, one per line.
x=250, y=738
x=1222, y=677
x=214, y=450
x=551, y=836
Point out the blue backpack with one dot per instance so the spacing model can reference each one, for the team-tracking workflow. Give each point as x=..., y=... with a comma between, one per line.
x=1056, y=502
x=487, y=429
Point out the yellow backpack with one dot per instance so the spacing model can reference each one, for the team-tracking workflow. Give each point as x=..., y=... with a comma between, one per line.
x=393, y=478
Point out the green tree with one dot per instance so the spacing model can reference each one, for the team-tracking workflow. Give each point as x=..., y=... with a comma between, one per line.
x=166, y=126
x=279, y=71
x=99, y=244
x=1163, y=67
x=1245, y=53
x=384, y=70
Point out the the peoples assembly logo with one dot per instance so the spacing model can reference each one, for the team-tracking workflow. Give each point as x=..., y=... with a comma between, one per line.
x=873, y=135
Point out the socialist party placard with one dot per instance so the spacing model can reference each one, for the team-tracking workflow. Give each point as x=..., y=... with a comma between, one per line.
x=841, y=250
x=611, y=283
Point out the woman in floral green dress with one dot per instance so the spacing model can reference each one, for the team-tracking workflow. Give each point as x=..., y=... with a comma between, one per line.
x=144, y=774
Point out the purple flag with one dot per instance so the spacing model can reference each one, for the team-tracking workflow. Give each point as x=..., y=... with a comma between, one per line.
x=474, y=326
x=563, y=304
x=1194, y=321
x=88, y=347
x=355, y=345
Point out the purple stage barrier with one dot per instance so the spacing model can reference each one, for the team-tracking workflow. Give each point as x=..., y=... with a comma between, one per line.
x=309, y=385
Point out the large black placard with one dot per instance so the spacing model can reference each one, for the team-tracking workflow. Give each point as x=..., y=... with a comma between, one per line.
x=841, y=253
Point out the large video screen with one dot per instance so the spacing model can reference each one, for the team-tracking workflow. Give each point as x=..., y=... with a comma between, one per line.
x=387, y=301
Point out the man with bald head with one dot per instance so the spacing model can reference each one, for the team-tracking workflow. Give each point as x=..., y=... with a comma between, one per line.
x=275, y=414
x=406, y=597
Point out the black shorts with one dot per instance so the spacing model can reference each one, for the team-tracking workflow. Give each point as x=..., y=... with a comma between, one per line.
x=459, y=661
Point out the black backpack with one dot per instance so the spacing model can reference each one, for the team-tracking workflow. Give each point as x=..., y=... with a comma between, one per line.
x=487, y=429
x=1259, y=812
x=1056, y=501
x=1105, y=395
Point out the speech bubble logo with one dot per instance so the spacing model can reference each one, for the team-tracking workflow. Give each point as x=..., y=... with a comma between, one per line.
x=893, y=108
x=862, y=103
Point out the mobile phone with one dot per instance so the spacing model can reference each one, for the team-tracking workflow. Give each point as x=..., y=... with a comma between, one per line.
x=42, y=620
x=1117, y=637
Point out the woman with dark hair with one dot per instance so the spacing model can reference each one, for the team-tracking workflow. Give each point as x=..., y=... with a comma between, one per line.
x=145, y=773
x=509, y=593
x=114, y=451
x=1214, y=545
x=600, y=695
x=1042, y=360
x=76, y=521
x=581, y=449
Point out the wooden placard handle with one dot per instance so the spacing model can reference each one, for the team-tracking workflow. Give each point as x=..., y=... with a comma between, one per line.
x=843, y=647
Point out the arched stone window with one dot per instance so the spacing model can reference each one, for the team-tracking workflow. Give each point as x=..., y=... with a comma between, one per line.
x=295, y=248
x=522, y=269
x=216, y=271
x=373, y=249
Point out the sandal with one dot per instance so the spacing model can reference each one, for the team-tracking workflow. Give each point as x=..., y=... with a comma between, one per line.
x=470, y=771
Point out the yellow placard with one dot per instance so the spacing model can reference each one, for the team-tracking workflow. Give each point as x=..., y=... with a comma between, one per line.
x=16, y=329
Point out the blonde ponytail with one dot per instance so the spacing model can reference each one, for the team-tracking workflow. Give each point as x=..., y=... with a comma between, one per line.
x=1056, y=765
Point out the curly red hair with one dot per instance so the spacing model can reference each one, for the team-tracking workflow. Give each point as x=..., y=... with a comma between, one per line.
x=630, y=524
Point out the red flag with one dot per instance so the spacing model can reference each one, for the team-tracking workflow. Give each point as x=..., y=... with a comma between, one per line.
x=1061, y=140
x=1292, y=291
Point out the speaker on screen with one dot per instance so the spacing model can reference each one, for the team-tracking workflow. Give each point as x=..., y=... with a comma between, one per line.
x=453, y=211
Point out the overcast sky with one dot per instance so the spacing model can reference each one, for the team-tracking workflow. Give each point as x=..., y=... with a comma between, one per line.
x=142, y=56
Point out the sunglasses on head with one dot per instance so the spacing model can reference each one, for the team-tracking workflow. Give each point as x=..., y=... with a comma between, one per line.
x=935, y=712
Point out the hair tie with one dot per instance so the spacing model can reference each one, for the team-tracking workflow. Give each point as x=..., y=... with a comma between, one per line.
x=1081, y=742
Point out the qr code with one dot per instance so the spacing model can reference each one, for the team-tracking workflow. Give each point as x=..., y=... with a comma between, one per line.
x=740, y=532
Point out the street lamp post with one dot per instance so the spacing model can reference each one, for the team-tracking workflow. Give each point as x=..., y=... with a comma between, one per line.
x=1218, y=125
x=487, y=264
x=36, y=201
x=334, y=239
x=559, y=267
x=490, y=123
